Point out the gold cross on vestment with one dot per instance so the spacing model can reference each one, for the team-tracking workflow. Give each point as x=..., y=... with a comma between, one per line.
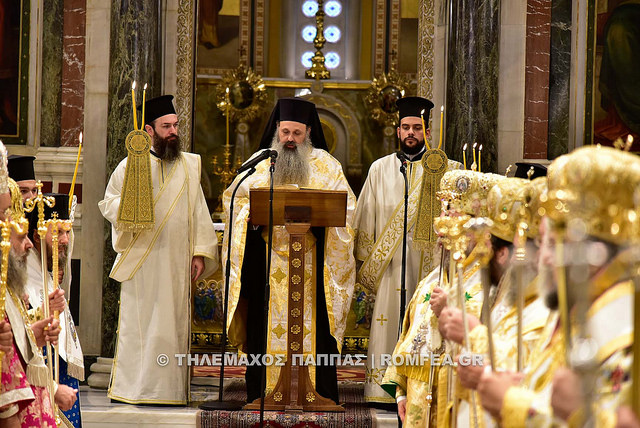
x=382, y=319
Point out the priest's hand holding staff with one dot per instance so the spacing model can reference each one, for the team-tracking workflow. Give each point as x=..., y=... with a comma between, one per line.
x=6, y=337
x=56, y=300
x=451, y=326
x=65, y=397
x=493, y=387
x=438, y=300
x=46, y=330
x=469, y=374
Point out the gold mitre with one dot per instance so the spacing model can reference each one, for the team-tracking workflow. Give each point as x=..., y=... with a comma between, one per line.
x=466, y=191
x=531, y=195
x=504, y=204
x=596, y=185
x=16, y=208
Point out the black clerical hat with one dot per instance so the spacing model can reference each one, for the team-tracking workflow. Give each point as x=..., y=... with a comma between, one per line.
x=413, y=106
x=157, y=107
x=522, y=168
x=296, y=110
x=21, y=167
x=61, y=207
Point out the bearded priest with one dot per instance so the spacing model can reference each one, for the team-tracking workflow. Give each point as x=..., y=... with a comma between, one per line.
x=294, y=131
x=156, y=266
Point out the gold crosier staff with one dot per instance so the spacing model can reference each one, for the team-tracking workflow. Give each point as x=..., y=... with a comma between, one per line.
x=39, y=202
x=56, y=225
x=21, y=226
x=461, y=243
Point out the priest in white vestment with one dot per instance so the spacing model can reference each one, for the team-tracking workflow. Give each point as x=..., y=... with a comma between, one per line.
x=379, y=233
x=294, y=131
x=156, y=268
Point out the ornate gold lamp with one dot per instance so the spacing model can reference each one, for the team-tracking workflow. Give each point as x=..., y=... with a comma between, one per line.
x=318, y=70
x=241, y=96
x=381, y=99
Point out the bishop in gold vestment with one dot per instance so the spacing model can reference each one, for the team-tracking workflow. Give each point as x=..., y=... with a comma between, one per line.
x=295, y=132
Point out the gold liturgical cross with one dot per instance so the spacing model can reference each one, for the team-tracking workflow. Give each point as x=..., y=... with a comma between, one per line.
x=382, y=319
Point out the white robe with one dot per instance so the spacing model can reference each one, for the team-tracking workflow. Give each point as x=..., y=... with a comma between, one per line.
x=154, y=269
x=68, y=341
x=382, y=192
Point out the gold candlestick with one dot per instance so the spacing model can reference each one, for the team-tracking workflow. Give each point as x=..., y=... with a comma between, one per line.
x=226, y=171
x=318, y=70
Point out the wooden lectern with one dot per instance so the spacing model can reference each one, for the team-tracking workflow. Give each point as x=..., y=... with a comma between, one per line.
x=297, y=210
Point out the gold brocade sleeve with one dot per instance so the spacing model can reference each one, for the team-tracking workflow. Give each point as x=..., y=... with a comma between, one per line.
x=478, y=340
x=515, y=407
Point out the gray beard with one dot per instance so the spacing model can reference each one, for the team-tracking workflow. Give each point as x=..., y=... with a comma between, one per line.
x=17, y=273
x=528, y=275
x=292, y=166
x=546, y=286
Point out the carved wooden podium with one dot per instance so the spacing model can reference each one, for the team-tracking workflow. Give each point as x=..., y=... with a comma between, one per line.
x=297, y=210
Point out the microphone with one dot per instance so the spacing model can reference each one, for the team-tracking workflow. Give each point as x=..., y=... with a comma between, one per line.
x=403, y=160
x=251, y=163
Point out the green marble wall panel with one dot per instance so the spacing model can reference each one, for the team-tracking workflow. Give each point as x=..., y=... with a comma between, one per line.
x=472, y=80
x=559, y=78
x=134, y=55
x=51, y=72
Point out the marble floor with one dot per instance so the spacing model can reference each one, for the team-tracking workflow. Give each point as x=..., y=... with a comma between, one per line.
x=99, y=412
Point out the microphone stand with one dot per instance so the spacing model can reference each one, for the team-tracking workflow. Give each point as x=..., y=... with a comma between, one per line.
x=403, y=289
x=220, y=404
x=266, y=287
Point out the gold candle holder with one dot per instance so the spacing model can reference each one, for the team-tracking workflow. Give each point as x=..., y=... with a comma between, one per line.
x=226, y=171
x=318, y=70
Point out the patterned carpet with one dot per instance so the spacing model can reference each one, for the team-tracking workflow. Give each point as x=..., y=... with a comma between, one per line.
x=357, y=414
x=344, y=374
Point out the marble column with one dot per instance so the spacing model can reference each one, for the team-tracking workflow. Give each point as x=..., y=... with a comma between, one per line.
x=472, y=79
x=73, y=50
x=52, y=34
x=536, y=108
x=559, y=78
x=135, y=54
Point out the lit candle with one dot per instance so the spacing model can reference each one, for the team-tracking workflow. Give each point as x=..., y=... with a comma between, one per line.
x=474, y=166
x=144, y=98
x=464, y=155
x=424, y=130
x=480, y=159
x=75, y=172
x=228, y=106
x=441, y=126
x=133, y=98
x=629, y=142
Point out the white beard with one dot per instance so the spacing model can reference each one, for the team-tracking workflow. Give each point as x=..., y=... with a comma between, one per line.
x=17, y=273
x=292, y=166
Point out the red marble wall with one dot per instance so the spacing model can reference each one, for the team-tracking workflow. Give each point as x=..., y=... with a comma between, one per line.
x=536, y=108
x=73, y=51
